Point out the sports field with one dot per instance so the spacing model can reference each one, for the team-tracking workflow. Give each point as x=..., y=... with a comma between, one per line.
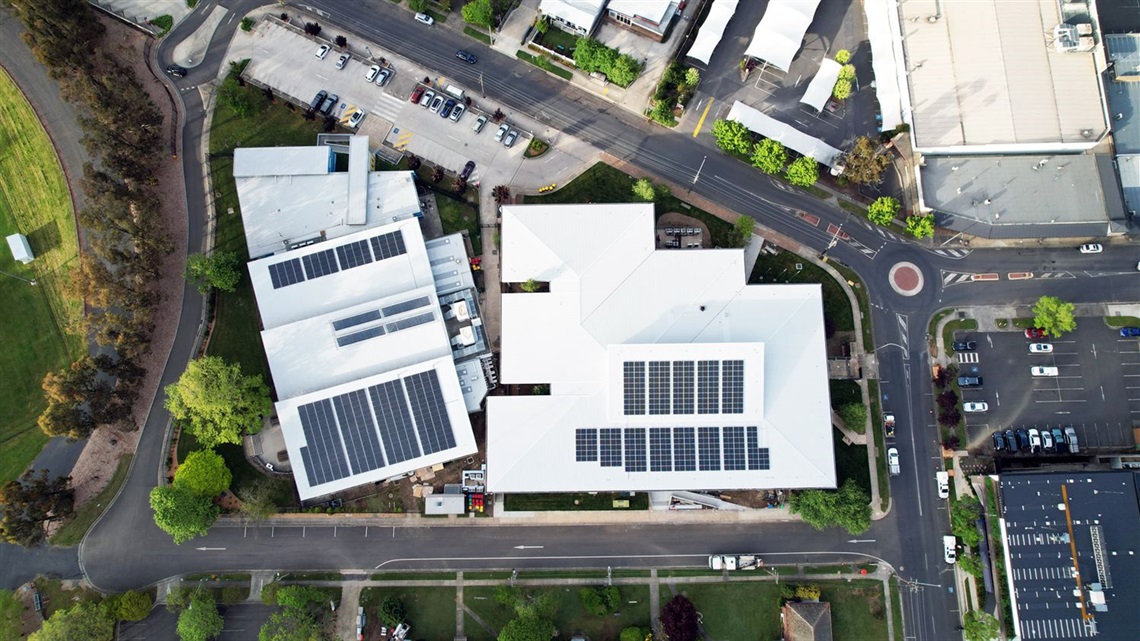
x=34, y=336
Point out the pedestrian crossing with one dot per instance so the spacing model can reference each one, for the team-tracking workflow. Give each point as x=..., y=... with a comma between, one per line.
x=967, y=357
x=386, y=106
x=955, y=278
x=860, y=247
x=952, y=253
x=1055, y=275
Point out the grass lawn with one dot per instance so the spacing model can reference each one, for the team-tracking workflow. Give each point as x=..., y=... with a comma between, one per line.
x=1121, y=321
x=457, y=216
x=10, y=611
x=851, y=462
x=545, y=63
x=245, y=475
x=555, y=38
x=431, y=611
x=856, y=285
x=960, y=325
x=858, y=610
x=844, y=392
x=568, y=501
x=788, y=267
x=34, y=201
x=570, y=618
x=478, y=34
x=57, y=598
x=736, y=611
x=72, y=532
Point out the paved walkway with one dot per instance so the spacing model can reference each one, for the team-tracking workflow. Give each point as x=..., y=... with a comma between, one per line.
x=347, y=612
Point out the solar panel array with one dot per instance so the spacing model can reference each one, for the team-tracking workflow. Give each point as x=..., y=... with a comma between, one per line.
x=358, y=319
x=372, y=427
x=673, y=449
x=717, y=387
x=406, y=306
x=379, y=330
x=341, y=257
x=362, y=335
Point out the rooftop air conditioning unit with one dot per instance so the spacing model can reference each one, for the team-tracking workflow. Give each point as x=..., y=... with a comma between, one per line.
x=1065, y=37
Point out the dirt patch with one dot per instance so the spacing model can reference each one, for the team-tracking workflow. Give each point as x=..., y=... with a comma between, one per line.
x=93, y=470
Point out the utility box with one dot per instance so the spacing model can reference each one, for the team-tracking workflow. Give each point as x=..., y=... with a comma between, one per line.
x=21, y=250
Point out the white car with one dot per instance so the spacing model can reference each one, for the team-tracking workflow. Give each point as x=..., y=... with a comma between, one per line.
x=457, y=112
x=1044, y=371
x=323, y=51
x=1046, y=440
x=949, y=549
x=893, y=461
x=942, y=479
x=479, y=122
x=425, y=102
x=342, y=60
x=355, y=118
x=425, y=19
x=502, y=131
x=1092, y=248
x=975, y=407
x=1040, y=348
x=1034, y=440
x=373, y=71
x=436, y=104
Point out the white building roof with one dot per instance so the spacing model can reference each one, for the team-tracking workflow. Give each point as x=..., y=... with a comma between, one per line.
x=987, y=76
x=822, y=84
x=785, y=134
x=580, y=13
x=21, y=250
x=712, y=30
x=614, y=299
x=887, y=60
x=652, y=14
x=781, y=31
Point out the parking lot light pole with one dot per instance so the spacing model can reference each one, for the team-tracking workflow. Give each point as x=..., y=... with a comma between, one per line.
x=370, y=55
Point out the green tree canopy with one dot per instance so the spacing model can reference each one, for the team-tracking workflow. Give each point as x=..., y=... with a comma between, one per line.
x=302, y=599
x=843, y=56
x=964, y=515
x=769, y=156
x=883, y=210
x=392, y=611
x=624, y=70
x=980, y=626
x=181, y=513
x=527, y=627
x=803, y=172
x=971, y=564
x=1054, y=315
x=848, y=507
x=842, y=89
x=854, y=416
x=863, y=163
x=257, y=499
x=216, y=402
x=220, y=270
x=479, y=12
x=732, y=137
x=692, y=77
x=633, y=634
x=920, y=226
x=204, y=473
x=130, y=605
x=31, y=502
x=643, y=190
x=417, y=5
x=742, y=231
x=200, y=621
x=83, y=622
x=289, y=626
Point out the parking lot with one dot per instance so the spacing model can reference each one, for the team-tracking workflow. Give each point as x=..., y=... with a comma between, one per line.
x=1096, y=389
x=242, y=623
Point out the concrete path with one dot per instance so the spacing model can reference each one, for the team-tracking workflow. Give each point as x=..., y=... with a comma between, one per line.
x=459, y=609
x=347, y=612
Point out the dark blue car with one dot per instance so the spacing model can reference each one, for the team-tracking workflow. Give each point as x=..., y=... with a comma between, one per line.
x=447, y=107
x=469, y=58
x=1129, y=332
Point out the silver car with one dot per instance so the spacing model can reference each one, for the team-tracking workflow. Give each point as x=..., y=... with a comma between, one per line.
x=503, y=129
x=342, y=60
x=479, y=122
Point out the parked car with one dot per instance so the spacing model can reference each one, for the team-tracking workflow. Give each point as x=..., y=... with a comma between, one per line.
x=330, y=104
x=1035, y=332
x=509, y=141
x=417, y=93
x=975, y=407
x=1071, y=440
x=457, y=113
x=965, y=346
x=319, y=101
x=893, y=461
x=1046, y=440
x=447, y=107
x=425, y=18
x=323, y=51
x=479, y=122
x=176, y=70
x=1058, y=438
x=355, y=118
x=1034, y=440
x=949, y=549
x=998, y=440
x=1044, y=371
x=469, y=58
x=342, y=60
x=969, y=381
x=384, y=75
x=428, y=97
x=1022, y=438
x=467, y=169
x=1092, y=248
x=942, y=481
x=436, y=104
x=1129, y=332
x=1040, y=348
x=373, y=71
x=502, y=131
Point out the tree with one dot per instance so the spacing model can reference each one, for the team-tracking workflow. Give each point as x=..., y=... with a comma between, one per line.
x=527, y=627
x=692, y=77
x=83, y=622
x=948, y=399
x=220, y=270
x=883, y=210
x=863, y=163
x=417, y=5
x=303, y=600
x=257, y=500
x=643, y=190
x=679, y=619
x=920, y=226
x=288, y=626
x=216, y=403
x=848, y=507
x=624, y=70
x=663, y=113
x=842, y=56
x=971, y=564
x=633, y=634
x=501, y=194
x=742, y=231
x=964, y=515
x=530, y=286
x=181, y=513
x=732, y=137
x=842, y=89
x=340, y=41
x=392, y=611
x=803, y=172
x=269, y=593
x=541, y=25
x=200, y=621
x=31, y=502
x=61, y=33
x=847, y=72
x=236, y=99
x=769, y=156
x=179, y=597
x=479, y=12
x=437, y=174
x=314, y=29
x=600, y=601
x=980, y=626
x=130, y=605
x=204, y=473
x=854, y=416
x=1054, y=315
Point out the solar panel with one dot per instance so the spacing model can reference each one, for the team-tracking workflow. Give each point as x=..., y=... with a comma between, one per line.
x=586, y=445
x=659, y=387
x=408, y=305
x=325, y=460
x=682, y=387
x=708, y=443
x=354, y=254
x=708, y=387
x=286, y=273
x=684, y=449
x=633, y=377
x=660, y=450
x=432, y=421
x=388, y=245
x=610, y=449
x=359, y=431
x=757, y=456
x=394, y=421
x=320, y=264
x=362, y=335
x=405, y=323
x=734, y=457
x=359, y=319
x=732, y=381
x=635, y=449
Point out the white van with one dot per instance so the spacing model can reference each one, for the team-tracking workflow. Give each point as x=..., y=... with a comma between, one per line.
x=950, y=549
x=942, y=479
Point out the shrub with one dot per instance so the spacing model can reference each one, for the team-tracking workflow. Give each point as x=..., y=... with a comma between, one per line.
x=247, y=24
x=312, y=28
x=883, y=210
x=854, y=416
x=843, y=56
x=842, y=89
x=803, y=172
x=341, y=41
x=769, y=156
x=920, y=226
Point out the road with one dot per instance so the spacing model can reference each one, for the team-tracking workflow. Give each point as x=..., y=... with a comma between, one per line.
x=125, y=549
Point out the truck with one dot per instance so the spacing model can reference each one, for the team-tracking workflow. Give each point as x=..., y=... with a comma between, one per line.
x=889, y=423
x=732, y=562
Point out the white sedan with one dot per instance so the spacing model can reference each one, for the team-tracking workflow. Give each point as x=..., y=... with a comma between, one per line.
x=1040, y=348
x=975, y=407
x=1092, y=248
x=373, y=71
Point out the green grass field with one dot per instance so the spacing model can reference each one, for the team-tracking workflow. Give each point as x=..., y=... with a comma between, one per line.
x=431, y=611
x=788, y=267
x=570, y=617
x=34, y=201
x=10, y=610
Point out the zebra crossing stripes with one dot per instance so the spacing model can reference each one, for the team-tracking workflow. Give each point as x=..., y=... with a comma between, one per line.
x=953, y=253
x=955, y=278
x=860, y=247
x=387, y=106
x=1055, y=275
x=967, y=357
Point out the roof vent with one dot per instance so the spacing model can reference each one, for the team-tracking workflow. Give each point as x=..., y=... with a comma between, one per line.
x=1086, y=133
x=702, y=308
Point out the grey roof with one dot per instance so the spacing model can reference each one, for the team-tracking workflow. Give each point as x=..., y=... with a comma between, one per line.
x=1129, y=168
x=1040, y=559
x=1027, y=196
x=1124, y=97
x=1118, y=16
x=807, y=621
